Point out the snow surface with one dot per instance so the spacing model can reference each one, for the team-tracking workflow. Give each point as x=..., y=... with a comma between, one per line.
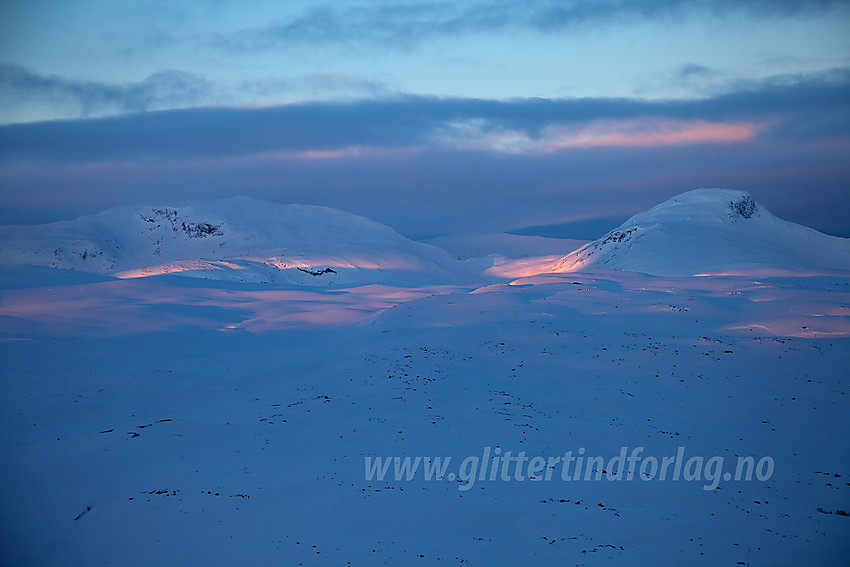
x=170, y=420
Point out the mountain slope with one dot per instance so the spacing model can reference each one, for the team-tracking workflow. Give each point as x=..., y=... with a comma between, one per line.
x=709, y=231
x=238, y=238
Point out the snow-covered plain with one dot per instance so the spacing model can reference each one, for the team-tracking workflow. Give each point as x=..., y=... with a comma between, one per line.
x=221, y=420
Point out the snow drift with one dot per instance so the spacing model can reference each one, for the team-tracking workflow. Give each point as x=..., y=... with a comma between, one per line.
x=709, y=231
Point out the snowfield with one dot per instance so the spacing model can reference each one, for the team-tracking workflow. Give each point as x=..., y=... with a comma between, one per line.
x=232, y=417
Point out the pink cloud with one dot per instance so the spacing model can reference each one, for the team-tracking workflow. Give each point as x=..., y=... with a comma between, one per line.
x=350, y=151
x=645, y=132
x=651, y=132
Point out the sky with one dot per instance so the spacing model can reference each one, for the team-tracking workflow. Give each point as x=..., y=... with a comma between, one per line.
x=432, y=117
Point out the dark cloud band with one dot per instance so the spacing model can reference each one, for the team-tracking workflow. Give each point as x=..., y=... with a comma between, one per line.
x=800, y=104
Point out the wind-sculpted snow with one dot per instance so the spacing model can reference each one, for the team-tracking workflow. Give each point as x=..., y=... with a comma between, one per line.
x=173, y=420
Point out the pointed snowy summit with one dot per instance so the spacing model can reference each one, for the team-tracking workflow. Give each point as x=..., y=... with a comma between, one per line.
x=710, y=231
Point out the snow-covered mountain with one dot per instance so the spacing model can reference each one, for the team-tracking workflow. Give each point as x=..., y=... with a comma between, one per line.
x=174, y=420
x=709, y=231
x=238, y=238
x=251, y=240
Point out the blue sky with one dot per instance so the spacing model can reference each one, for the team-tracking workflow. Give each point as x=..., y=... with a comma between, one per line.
x=430, y=116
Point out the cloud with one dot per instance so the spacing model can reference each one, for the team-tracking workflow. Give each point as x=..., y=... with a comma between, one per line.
x=442, y=190
x=167, y=88
x=645, y=132
x=692, y=70
x=315, y=86
x=559, y=16
x=322, y=83
x=812, y=105
x=430, y=166
x=691, y=78
x=381, y=158
x=393, y=24
x=21, y=88
x=404, y=25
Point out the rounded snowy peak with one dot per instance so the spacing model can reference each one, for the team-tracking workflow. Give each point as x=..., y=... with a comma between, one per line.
x=253, y=222
x=235, y=238
x=704, y=204
x=709, y=231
